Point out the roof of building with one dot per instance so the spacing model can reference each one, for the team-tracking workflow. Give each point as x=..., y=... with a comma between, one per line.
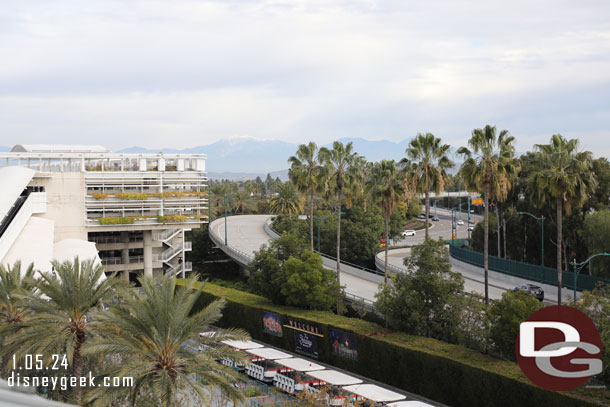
x=409, y=404
x=13, y=181
x=37, y=233
x=58, y=148
x=269, y=353
x=299, y=364
x=19, y=397
x=374, y=393
x=242, y=345
x=334, y=377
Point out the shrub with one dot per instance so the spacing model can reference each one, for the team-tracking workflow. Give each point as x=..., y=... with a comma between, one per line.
x=505, y=315
x=171, y=219
x=132, y=196
x=99, y=196
x=110, y=220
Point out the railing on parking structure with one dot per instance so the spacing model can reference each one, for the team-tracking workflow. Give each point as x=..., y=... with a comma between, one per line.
x=545, y=275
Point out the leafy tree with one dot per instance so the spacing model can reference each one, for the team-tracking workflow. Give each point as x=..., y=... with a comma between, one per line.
x=360, y=235
x=596, y=232
x=596, y=305
x=429, y=164
x=308, y=284
x=601, y=198
x=308, y=175
x=489, y=167
x=506, y=315
x=148, y=331
x=423, y=301
x=344, y=167
x=61, y=318
x=287, y=202
x=564, y=177
x=268, y=276
x=387, y=187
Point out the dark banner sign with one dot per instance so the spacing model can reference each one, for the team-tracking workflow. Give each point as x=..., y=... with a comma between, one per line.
x=306, y=343
x=343, y=344
x=272, y=324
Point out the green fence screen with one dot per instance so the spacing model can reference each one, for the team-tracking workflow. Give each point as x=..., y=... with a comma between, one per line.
x=545, y=275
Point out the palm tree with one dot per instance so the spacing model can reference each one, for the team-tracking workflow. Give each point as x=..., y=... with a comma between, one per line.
x=343, y=166
x=148, y=333
x=13, y=285
x=287, y=201
x=565, y=176
x=490, y=164
x=307, y=174
x=386, y=185
x=429, y=164
x=60, y=321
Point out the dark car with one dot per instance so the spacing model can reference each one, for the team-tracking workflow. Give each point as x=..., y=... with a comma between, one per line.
x=531, y=289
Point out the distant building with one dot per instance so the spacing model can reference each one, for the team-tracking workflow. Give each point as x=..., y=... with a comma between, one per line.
x=131, y=210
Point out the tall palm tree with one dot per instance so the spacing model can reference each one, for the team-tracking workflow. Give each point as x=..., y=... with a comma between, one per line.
x=490, y=164
x=60, y=320
x=343, y=166
x=429, y=164
x=386, y=185
x=148, y=333
x=287, y=201
x=307, y=174
x=565, y=176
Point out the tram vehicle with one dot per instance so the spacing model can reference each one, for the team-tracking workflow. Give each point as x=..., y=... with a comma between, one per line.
x=295, y=375
x=335, y=381
x=239, y=346
x=378, y=395
x=262, y=365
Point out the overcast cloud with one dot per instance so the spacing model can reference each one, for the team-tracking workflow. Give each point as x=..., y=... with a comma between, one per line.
x=184, y=73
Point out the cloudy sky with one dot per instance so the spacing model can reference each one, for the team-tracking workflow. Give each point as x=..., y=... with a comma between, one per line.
x=183, y=73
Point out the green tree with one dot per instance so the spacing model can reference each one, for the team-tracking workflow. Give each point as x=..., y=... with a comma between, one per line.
x=268, y=276
x=308, y=175
x=287, y=201
x=344, y=167
x=429, y=164
x=489, y=165
x=596, y=232
x=424, y=301
x=505, y=316
x=308, y=284
x=387, y=186
x=61, y=319
x=596, y=305
x=148, y=331
x=564, y=178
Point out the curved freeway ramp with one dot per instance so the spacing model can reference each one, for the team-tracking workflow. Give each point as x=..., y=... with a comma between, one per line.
x=247, y=233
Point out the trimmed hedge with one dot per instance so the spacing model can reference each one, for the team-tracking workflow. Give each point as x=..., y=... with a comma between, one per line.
x=119, y=220
x=447, y=373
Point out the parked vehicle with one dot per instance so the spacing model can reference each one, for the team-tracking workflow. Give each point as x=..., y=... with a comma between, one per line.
x=407, y=233
x=435, y=219
x=531, y=289
x=422, y=216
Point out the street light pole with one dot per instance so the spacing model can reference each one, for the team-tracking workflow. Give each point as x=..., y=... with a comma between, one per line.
x=541, y=221
x=579, y=266
x=225, y=199
x=468, y=219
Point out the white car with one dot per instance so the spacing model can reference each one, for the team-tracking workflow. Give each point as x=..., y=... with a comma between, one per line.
x=407, y=233
x=460, y=222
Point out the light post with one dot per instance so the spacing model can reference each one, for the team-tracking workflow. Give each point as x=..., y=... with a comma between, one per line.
x=453, y=226
x=225, y=199
x=579, y=266
x=541, y=221
x=320, y=220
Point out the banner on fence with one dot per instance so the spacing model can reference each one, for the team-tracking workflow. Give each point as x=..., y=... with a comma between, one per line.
x=306, y=343
x=272, y=324
x=343, y=343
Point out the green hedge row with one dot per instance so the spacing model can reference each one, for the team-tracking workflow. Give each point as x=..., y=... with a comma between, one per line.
x=447, y=373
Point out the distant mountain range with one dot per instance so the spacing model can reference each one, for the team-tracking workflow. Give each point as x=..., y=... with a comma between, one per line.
x=248, y=157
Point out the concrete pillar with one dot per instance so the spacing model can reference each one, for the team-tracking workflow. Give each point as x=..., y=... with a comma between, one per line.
x=183, y=255
x=125, y=253
x=148, y=256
